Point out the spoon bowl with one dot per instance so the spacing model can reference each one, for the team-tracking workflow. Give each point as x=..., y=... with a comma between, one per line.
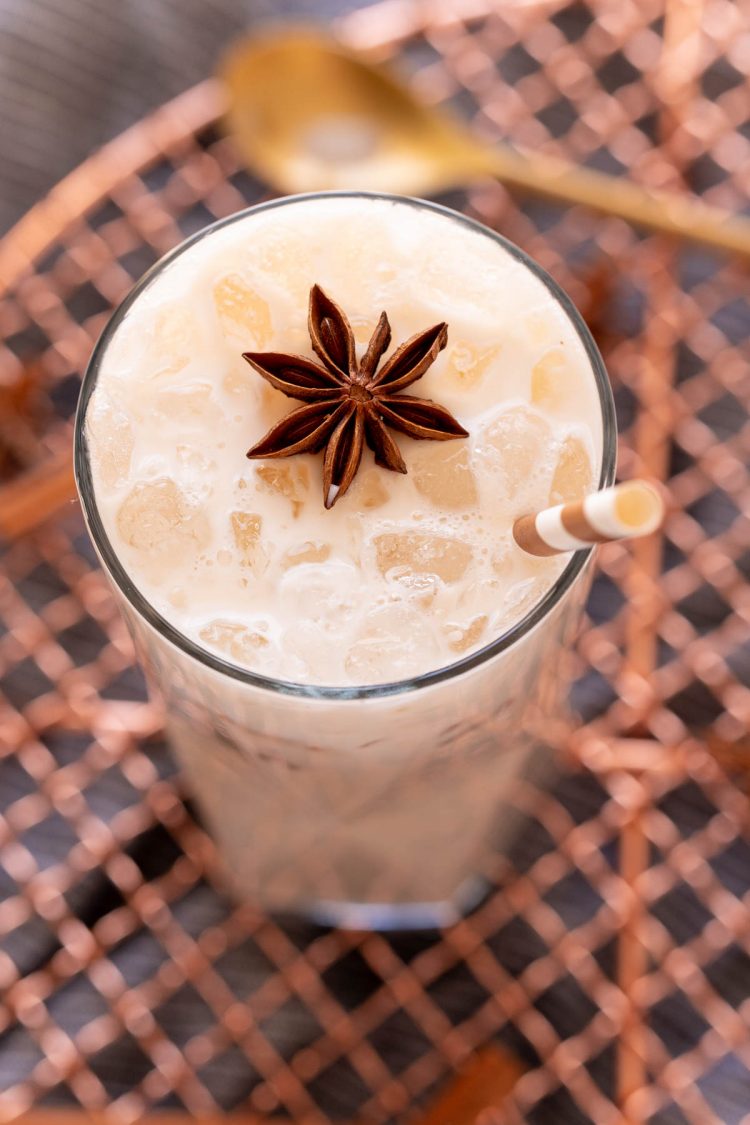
x=308, y=115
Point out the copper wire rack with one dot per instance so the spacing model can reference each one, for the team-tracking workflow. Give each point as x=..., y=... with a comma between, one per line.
x=613, y=957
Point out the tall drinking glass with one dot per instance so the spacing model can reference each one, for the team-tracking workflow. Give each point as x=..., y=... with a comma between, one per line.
x=369, y=806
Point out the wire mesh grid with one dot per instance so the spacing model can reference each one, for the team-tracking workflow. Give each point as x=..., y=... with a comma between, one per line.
x=613, y=957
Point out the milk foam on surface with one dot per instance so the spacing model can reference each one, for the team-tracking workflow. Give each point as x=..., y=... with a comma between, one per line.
x=405, y=574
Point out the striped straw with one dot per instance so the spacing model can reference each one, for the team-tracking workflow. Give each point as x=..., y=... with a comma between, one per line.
x=623, y=512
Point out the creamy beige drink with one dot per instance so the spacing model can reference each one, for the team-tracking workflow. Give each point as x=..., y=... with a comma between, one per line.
x=406, y=573
x=269, y=622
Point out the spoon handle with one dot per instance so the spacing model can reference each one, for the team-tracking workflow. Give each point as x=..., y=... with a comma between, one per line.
x=684, y=216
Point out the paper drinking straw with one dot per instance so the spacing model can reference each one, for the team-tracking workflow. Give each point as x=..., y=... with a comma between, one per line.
x=623, y=512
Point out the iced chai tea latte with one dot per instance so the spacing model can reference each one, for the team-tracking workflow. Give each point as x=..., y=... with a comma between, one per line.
x=355, y=656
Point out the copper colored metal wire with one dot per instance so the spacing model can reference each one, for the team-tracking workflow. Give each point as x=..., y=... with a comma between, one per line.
x=611, y=957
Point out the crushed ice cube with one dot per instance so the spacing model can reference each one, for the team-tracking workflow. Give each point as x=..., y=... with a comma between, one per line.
x=290, y=265
x=467, y=635
x=572, y=478
x=468, y=363
x=324, y=594
x=394, y=642
x=307, y=552
x=308, y=656
x=442, y=473
x=523, y=595
x=289, y=478
x=369, y=489
x=515, y=447
x=158, y=519
x=191, y=404
x=420, y=589
x=239, y=642
x=111, y=436
x=243, y=313
x=553, y=381
x=422, y=553
x=175, y=340
x=246, y=528
x=246, y=532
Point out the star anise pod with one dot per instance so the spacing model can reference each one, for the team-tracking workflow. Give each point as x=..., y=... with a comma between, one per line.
x=350, y=402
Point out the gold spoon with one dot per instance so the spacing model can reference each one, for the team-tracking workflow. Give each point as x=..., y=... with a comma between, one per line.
x=310, y=115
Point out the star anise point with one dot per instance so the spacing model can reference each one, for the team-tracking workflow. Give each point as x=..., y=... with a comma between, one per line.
x=347, y=403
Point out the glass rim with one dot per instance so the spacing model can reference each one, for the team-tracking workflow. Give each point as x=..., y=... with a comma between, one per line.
x=501, y=643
